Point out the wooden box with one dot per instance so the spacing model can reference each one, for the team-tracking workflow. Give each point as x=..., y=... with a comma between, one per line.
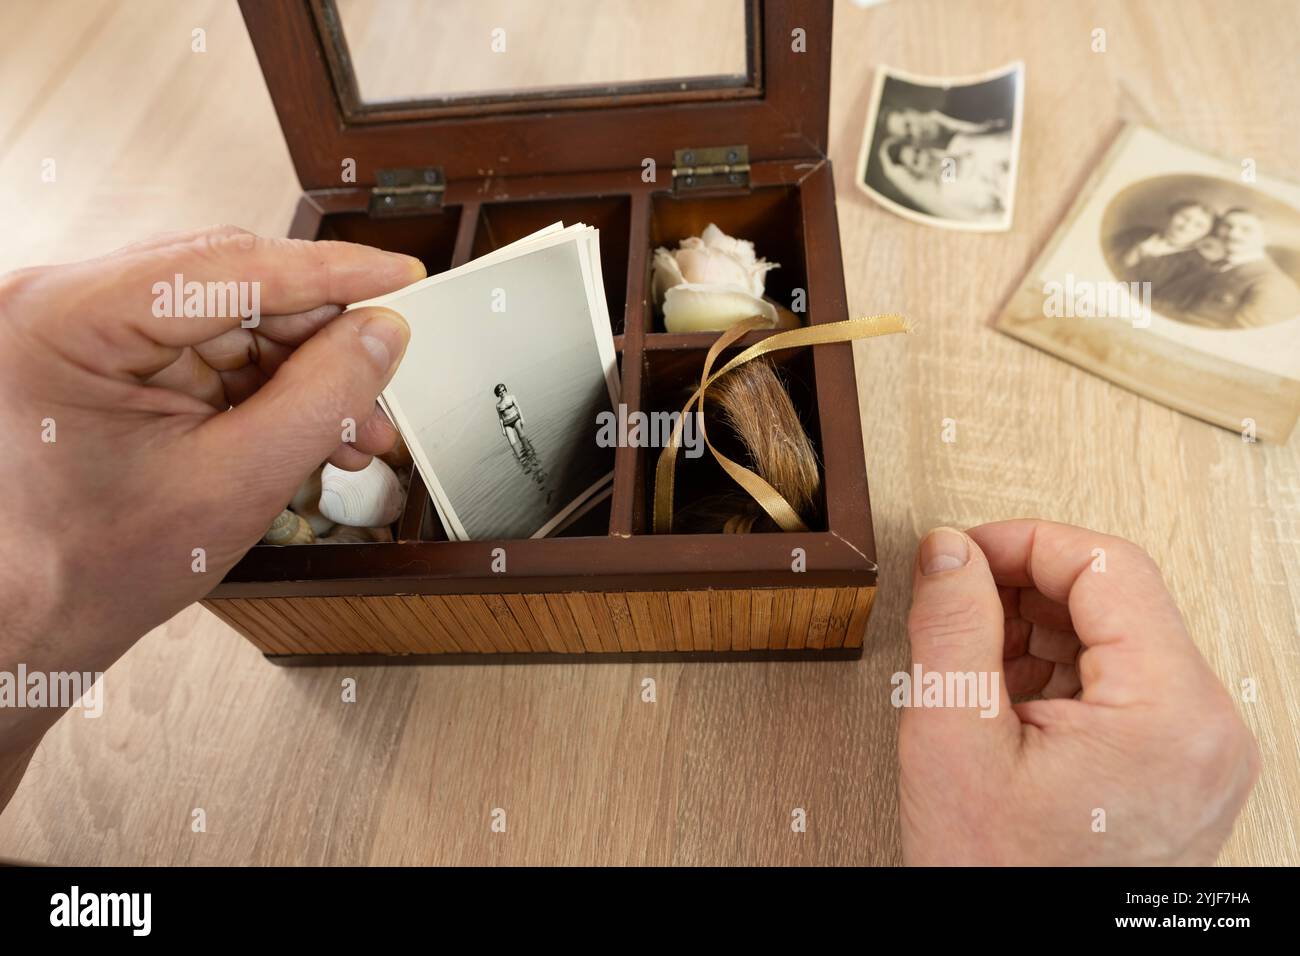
x=450, y=178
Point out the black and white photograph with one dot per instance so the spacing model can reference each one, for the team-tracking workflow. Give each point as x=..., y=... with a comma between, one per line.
x=943, y=150
x=1177, y=274
x=511, y=360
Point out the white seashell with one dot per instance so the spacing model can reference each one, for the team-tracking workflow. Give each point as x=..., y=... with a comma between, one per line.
x=306, y=504
x=697, y=308
x=320, y=525
x=308, y=494
x=368, y=498
x=288, y=528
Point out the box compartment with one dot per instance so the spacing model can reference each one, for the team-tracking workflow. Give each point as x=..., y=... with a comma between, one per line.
x=671, y=376
x=431, y=239
x=769, y=217
x=501, y=223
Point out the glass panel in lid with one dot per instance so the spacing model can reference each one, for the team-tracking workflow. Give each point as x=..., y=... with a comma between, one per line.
x=424, y=57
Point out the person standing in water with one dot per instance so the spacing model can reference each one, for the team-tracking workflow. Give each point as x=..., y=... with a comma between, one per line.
x=511, y=420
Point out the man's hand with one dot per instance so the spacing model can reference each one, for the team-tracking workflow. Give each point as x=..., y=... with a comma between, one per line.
x=99, y=527
x=1133, y=753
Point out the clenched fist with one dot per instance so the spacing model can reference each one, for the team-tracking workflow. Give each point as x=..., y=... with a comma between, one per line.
x=1132, y=753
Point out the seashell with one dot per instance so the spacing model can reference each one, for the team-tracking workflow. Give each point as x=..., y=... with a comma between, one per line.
x=307, y=497
x=368, y=498
x=344, y=534
x=289, y=528
x=320, y=525
x=306, y=504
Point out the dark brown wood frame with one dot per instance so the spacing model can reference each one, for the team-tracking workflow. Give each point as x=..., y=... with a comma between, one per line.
x=357, y=110
x=788, y=121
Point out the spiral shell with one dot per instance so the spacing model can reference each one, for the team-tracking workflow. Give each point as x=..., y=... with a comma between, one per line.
x=320, y=525
x=306, y=503
x=369, y=498
x=289, y=528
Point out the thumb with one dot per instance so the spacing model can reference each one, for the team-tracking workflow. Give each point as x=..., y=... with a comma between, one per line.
x=956, y=627
x=293, y=422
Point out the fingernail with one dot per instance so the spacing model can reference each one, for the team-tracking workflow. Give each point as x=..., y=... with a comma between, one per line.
x=384, y=336
x=412, y=266
x=943, y=549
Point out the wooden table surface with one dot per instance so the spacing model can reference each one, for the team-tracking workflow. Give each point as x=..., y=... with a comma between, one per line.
x=147, y=135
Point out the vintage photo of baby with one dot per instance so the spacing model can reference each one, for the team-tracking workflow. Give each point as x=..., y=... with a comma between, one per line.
x=943, y=151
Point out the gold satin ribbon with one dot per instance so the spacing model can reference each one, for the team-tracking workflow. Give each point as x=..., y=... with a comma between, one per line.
x=768, y=497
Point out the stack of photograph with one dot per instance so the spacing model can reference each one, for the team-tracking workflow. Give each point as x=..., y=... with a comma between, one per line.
x=511, y=361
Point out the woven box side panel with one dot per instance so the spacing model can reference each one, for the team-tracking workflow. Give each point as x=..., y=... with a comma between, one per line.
x=569, y=623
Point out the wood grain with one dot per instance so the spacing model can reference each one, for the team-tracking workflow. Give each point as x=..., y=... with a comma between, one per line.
x=149, y=136
x=537, y=623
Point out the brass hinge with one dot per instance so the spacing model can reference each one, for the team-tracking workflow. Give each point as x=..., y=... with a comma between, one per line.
x=710, y=168
x=407, y=192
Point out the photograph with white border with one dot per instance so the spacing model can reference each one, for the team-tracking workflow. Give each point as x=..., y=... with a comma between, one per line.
x=944, y=151
x=1176, y=274
x=511, y=360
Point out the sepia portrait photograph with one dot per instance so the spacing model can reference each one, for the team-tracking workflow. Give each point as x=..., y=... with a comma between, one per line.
x=1177, y=275
x=943, y=150
x=1217, y=253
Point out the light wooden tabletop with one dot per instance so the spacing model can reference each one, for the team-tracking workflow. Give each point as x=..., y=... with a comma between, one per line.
x=147, y=135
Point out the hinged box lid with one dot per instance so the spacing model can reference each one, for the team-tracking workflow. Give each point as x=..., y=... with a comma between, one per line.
x=364, y=86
